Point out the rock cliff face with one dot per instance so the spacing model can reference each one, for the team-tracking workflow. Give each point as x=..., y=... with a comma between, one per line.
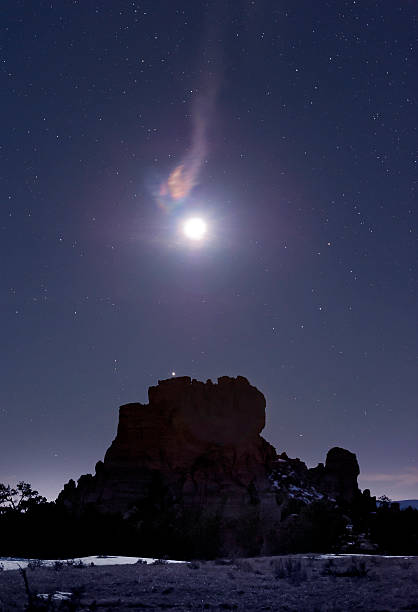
x=196, y=448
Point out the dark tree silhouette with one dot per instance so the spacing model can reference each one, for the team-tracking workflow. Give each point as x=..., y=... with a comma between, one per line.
x=19, y=499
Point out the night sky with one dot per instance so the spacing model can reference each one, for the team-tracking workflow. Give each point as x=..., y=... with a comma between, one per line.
x=290, y=129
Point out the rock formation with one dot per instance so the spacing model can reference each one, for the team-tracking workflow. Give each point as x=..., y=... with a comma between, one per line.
x=196, y=450
x=338, y=478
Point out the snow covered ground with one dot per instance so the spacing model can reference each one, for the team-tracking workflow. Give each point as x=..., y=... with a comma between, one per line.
x=13, y=563
x=291, y=582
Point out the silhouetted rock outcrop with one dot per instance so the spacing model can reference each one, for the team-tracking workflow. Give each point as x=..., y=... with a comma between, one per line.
x=339, y=476
x=196, y=451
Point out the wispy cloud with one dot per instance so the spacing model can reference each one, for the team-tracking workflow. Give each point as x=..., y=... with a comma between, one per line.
x=185, y=175
x=174, y=190
x=409, y=476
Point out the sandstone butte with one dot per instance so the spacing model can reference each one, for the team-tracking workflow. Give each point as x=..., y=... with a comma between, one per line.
x=202, y=443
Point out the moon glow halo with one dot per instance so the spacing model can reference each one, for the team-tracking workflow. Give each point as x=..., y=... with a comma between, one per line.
x=194, y=228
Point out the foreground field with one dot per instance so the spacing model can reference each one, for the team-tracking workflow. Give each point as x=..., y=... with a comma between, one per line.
x=286, y=584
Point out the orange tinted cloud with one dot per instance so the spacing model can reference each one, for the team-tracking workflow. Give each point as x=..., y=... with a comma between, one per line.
x=185, y=175
x=180, y=183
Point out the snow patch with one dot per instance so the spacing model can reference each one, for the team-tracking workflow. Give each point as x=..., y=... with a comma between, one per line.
x=58, y=596
x=14, y=563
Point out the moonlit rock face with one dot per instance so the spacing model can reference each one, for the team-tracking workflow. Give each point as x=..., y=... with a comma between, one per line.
x=194, y=228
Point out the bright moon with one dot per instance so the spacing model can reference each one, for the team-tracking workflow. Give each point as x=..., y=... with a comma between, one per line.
x=194, y=228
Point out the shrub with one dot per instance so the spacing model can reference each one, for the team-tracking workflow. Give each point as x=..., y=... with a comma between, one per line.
x=76, y=595
x=290, y=569
x=193, y=565
x=357, y=569
x=244, y=565
x=35, y=564
x=75, y=563
x=405, y=564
